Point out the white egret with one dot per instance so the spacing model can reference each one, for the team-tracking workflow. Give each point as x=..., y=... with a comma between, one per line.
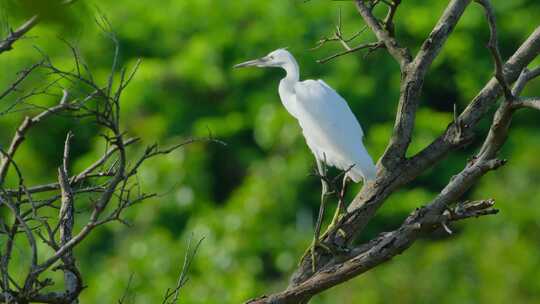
x=330, y=128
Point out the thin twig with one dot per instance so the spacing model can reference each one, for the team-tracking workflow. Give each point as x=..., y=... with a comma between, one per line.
x=493, y=46
x=370, y=46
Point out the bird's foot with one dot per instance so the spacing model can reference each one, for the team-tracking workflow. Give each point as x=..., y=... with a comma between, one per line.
x=330, y=249
x=311, y=251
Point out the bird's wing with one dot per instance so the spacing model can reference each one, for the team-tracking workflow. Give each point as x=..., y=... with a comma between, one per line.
x=321, y=101
x=330, y=127
x=342, y=107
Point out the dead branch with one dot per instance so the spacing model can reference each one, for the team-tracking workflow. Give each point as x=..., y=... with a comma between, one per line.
x=395, y=170
x=110, y=181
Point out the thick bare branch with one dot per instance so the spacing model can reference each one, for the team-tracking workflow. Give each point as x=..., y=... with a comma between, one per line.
x=367, y=201
x=388, y=245
x=413, y=76
x=434, y=43
x=457, y=134
x=533, y=103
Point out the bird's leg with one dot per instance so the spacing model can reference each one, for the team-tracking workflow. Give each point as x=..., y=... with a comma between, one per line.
x=340, y=210
x=322, y=208
x=316, y=241
x=321, y=167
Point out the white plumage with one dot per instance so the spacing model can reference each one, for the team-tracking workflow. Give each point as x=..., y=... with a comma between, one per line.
x=331, y=130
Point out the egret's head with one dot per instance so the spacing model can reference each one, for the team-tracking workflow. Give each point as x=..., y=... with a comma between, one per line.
x=277, y=58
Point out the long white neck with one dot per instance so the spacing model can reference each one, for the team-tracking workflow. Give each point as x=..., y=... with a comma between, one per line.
x=292, y=69
x=286, y=86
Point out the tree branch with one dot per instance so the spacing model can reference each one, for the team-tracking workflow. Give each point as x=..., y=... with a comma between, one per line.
x=413, y=76
x=24, y=127
x=370, y=46
x=22, y=76
x=7, y=43
x=459, y=133
x=438, y=36
x=533, y=103
x=392, y=175
x=493, y=46
x=72, y=277
x=387, y=245
x=400, y=54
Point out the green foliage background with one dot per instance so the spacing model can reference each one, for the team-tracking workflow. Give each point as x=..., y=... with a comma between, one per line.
x=254, y=200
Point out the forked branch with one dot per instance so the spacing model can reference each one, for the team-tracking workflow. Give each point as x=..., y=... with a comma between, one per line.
x=396, y=170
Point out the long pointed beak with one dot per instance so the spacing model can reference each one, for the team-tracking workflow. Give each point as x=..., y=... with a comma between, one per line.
x=255, y=62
